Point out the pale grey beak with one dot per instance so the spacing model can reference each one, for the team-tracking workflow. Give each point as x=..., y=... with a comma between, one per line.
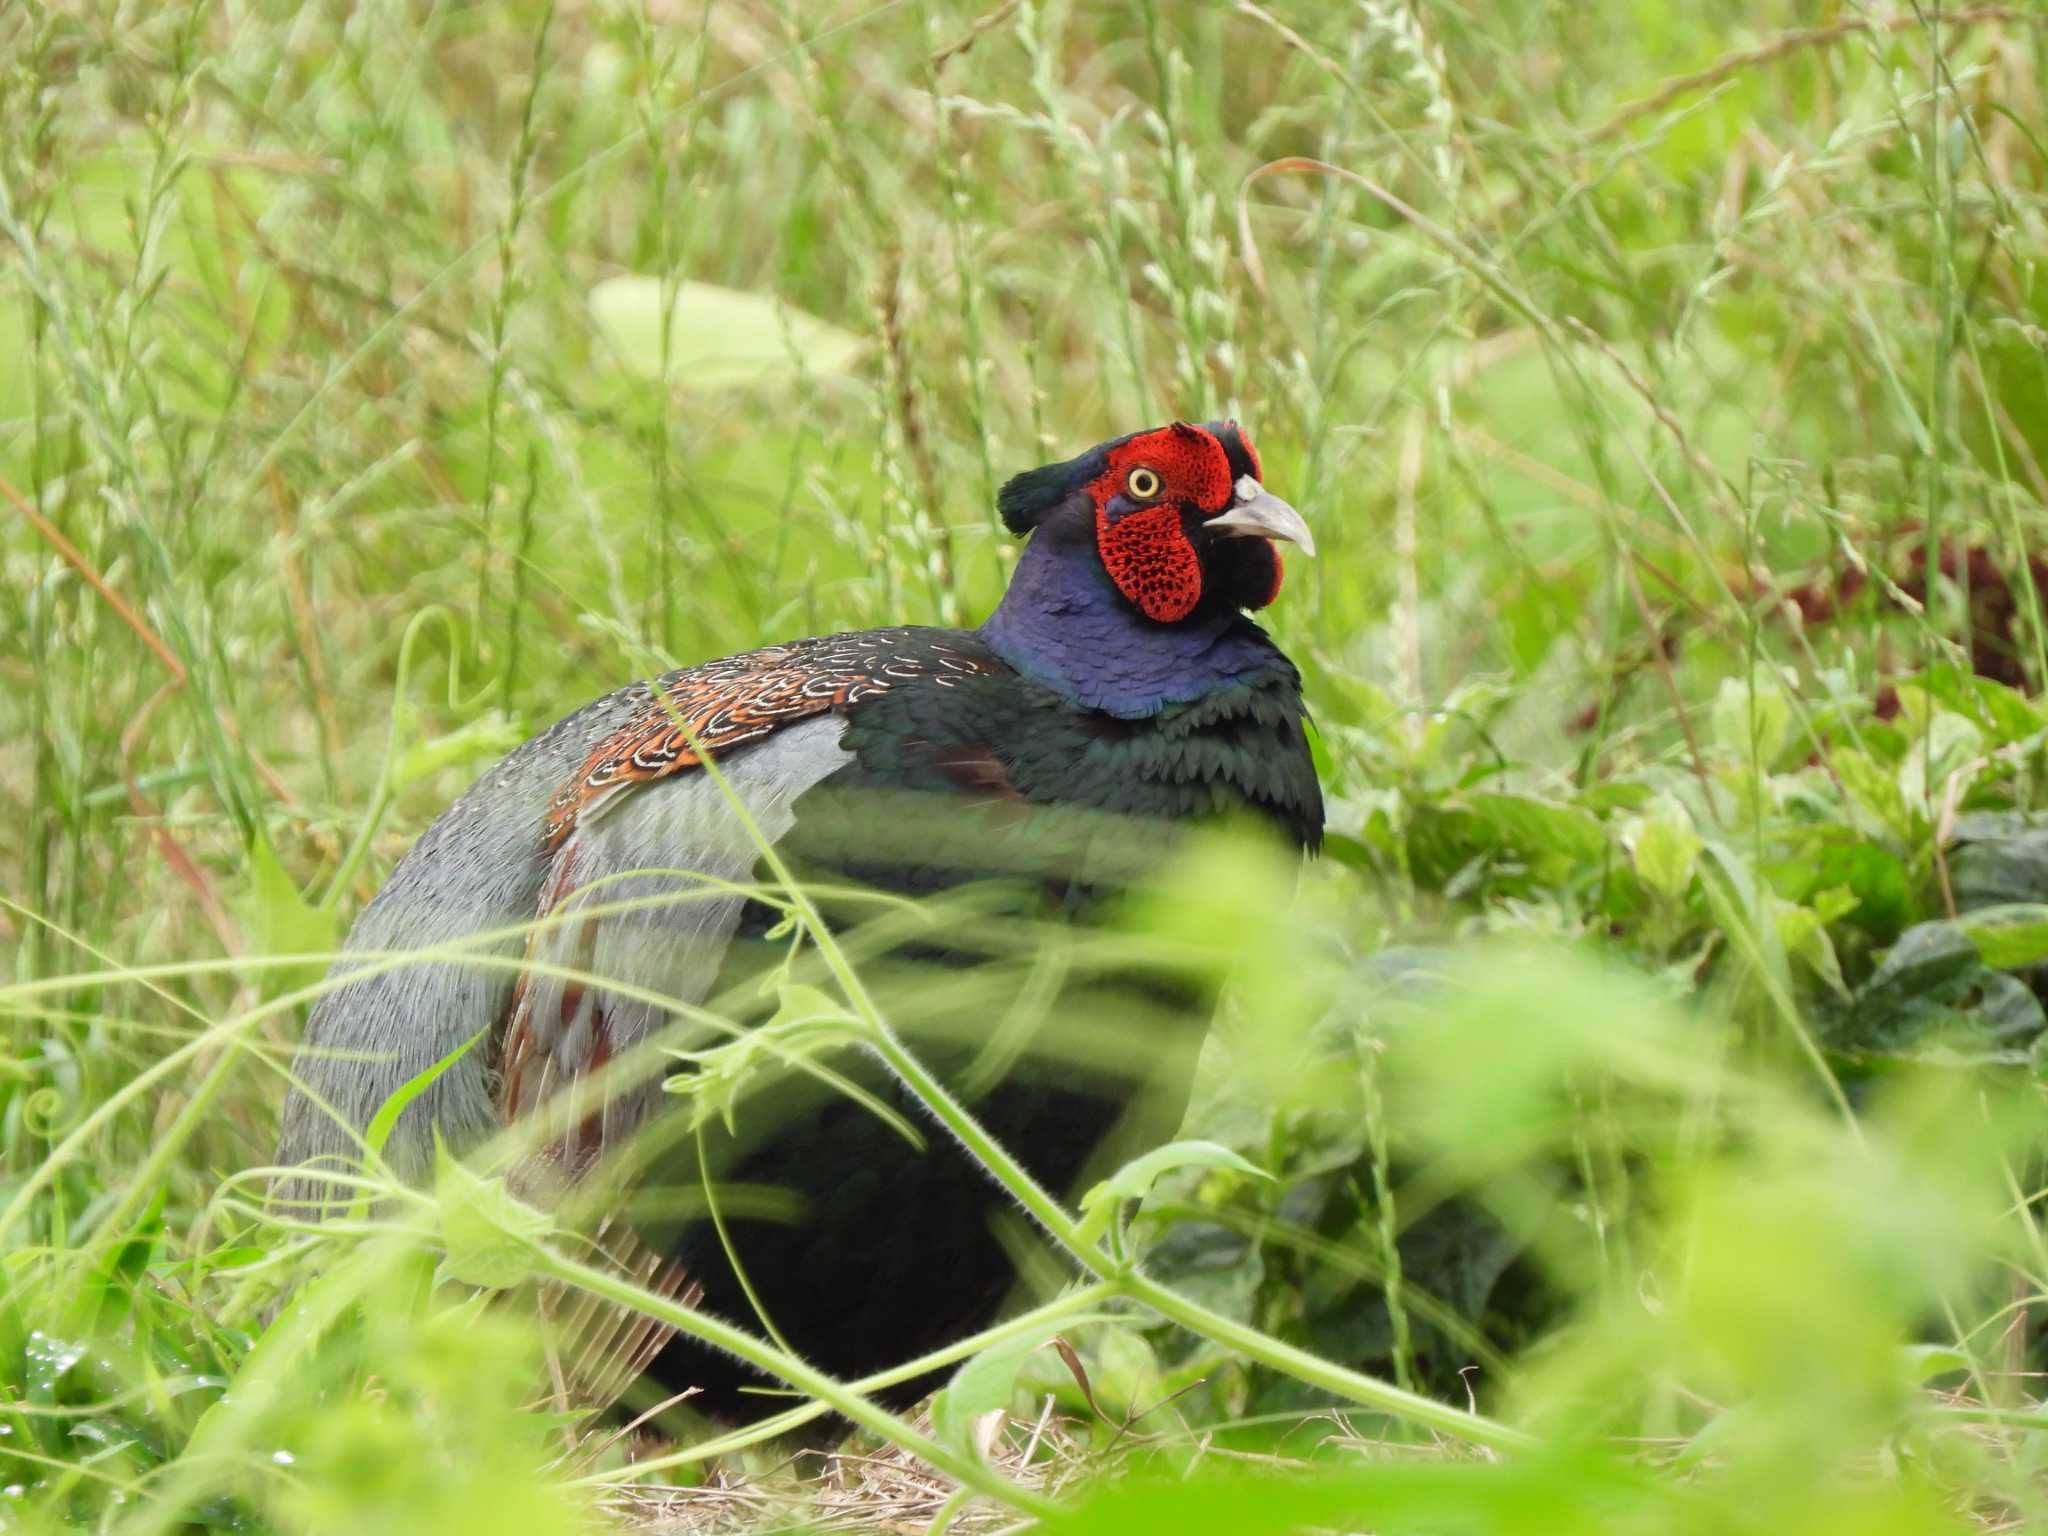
x=1258, y=513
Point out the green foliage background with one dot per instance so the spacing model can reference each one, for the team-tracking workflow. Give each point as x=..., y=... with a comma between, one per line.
x=1656, y=1055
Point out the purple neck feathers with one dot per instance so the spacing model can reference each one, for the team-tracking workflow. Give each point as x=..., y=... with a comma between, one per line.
x=1064, y=624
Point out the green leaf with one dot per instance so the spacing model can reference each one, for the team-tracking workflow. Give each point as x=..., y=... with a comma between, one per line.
x=1874, y=878
x=1935, y=990
x=1131, y=1181
x=486, y=738
x=385, y=1120
x=490, y=1236
x=1113, y=1374
x=2003, y=711
x=277, y=920
x=1572, y=1489
x=1351, y=852
x=1803, y=933
x=719, y=338
x=276, y=1363
x=1737, y=902
x=1619, y=795
x=807, y=1022
x=1752, y=720
x=1924, y=1362
x=984, y=1383
x=800, y=1004
x=1458, y=724
x=1665, y=849
x=1949, y=745
x=1533, y=825
x=2009, y=937
x=1552, y=841
x=1874, y=791
x=1999, y=859
x=108, y=1295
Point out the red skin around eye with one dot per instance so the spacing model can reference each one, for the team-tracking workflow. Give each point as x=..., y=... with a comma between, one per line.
x=1191, y=464
x=1145, y=552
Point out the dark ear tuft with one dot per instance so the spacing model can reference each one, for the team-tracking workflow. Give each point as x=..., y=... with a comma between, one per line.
x=1025, y=499
x=1244, y=459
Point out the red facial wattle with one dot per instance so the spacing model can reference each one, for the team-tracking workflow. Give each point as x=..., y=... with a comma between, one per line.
x=1143, y=546
x=1151, y=561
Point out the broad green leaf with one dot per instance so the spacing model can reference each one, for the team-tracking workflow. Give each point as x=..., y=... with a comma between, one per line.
x=1934, y=987
x=1131, y=1181
x=1803, y=933
x=1554, y=842
x=1534, y=824
x=1752, y=719
x=277, y=920
x=983, y=1383
x=800, y=1004
x=1873, y=878
x=490, y=1236
x=1998, y=859
x=807, y=1027
x=1459, y=723
x=1619, y=795
x=1564, y=1489
x=2009, y=937
x=1119, y=1374
x=719, y=338
x=1665, y=849
x=1874, y=791
x=1949, y=745
x=2003, y=711
x=1924, y=1362
x=1916, y=708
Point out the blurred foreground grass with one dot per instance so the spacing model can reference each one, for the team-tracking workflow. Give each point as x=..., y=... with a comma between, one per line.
x=1656, y=1056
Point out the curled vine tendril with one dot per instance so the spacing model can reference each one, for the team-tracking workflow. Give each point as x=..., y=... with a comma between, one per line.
x=49, y=1112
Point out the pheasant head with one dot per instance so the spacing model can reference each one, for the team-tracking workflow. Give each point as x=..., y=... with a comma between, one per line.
x=1145, y=552
x=1180, y=518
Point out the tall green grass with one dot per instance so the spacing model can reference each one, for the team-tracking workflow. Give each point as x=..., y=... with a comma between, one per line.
x=1604, y=1086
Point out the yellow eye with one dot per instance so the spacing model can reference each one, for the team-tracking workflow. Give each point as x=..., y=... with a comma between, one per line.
x=1143, y=484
